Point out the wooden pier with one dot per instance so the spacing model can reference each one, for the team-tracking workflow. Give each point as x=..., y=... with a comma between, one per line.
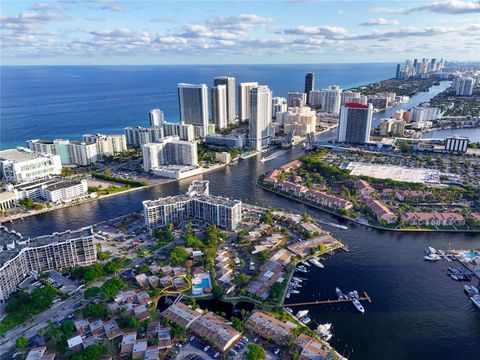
x=365, y=297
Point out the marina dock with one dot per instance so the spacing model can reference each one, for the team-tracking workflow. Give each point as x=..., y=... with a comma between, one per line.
x=365, y=297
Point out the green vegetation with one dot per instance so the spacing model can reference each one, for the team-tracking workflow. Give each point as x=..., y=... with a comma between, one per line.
x=93, y=272
x=96, y=311
x=21, y=342
x=131, y=183
x=401, y=87
x=23, y=306
x=108, y=290
x=93, y=352
x=255, y=352
x=30, y=204
x=108, y=190
x=178, y=255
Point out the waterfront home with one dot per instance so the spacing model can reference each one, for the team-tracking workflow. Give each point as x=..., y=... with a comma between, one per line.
x=272, y=176
x=433, y=219
x=216, y=329
x=310, y=348
x=292, y=188
x=305, y=247
x=181, y=314
x=283, y=257
x=270, y=273
x=412, y=195
x=363, y=187
x=381, y=211
x=269, y=327
x=328, y=200
x=291, y=165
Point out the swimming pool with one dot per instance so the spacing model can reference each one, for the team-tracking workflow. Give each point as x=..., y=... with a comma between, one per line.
x=204, y=283
x=471, y=254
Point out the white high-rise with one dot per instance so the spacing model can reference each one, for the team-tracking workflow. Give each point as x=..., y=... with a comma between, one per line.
x=331, y=99
x=229, y=82
x=244, y=90
x=169, y=151
x=296, y=99
x=279, y=105
x=464, y=86
x=156, y=117
x=260, y=117
x=219, y=106
x=193, y=105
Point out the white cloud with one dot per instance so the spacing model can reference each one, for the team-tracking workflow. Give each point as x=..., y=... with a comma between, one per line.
x=325, y=30
x=380, y=21
x=452, y=7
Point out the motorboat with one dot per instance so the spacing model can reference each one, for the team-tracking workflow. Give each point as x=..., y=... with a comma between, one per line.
x=351, y=295
x=306, y=263
x=431, y=250
x=302, y=313
x=306, y=320
x=289, y=310
x=292, y=291
x=358, y=306
x=288, y=295
x=339, y=293
x=324, y=328
x=302, y=269
x=470, y=290
x=297, y=279
x=355, y=294
x=432, y=257
x=476, y=300
x=317, y=263
x=327, y=337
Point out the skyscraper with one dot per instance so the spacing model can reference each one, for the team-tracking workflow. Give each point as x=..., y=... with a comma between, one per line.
x=397, y=74
x=219, y=106
x=193, y=105
x=244, y=99
x=229, y=82
x=355, y=123
x=309, y=82
x=156, y=117
x=260, y=117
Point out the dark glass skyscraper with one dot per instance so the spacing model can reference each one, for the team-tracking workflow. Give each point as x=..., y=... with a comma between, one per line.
x=309, y=82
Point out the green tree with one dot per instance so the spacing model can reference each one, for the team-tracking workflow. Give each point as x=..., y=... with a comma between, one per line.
x=21, y=343
x=255, y=352
x=242, y=280
x=99, y=310
x=108, y=172
x=178, y=255
x=217, y=290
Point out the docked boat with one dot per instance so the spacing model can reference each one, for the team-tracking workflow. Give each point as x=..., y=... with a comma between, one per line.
x=302, y=313
x=289, y=310
x=306, y=320
x=324, y=328
x=302, y=269
x=317, y=263
x=292, y=291
x=339, y=293
x=358, y=306
x=470, y=290
x=288, y=295
x=351, y=295
x=476, y=300
x=297, y=279
x=432, y=257
x=327, y=337
x=431, y=250
x=355, y=294
x=305, y=263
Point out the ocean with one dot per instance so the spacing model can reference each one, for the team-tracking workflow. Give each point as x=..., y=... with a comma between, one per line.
x=52, y=102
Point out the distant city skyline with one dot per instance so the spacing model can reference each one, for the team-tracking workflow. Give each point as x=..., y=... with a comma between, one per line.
x=113, y=32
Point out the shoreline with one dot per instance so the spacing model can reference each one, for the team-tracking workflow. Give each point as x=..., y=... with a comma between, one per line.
x=13, y=218
x=358, y=222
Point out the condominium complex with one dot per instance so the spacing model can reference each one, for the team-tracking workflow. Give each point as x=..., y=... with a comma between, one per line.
x=193, y=105
x=296, y=99
x=456, y=144
x=229, y=82
x=315, y=99
x=169, y=151
x=219, y=106
x=353, y=96
x=395, y=127
x=138, y=136
x=244, y=90
x=223, y=212
x=260, y=117
x=424, y=113
x=331, y=99
x=20, y=165
x=184, y=131
x=227, y=141
x=464, y=86
x=95, y=147
x=300, y=120
x=19, y=257
x=355, y=123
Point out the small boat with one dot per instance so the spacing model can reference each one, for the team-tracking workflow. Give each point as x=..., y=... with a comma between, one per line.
x=288, y=295
x=324, y=328
x=432, y=257
x=476, y=300
x=294, y=291
x=431, y=250
x=302, y=313
x=297, y=279
x=306, y=320
x=339, y=293
x=358, y=306
x=302, y=269
x=289, y=310
x=351, y=295
x=317, y=263
x=306, y=263
x=355, y=294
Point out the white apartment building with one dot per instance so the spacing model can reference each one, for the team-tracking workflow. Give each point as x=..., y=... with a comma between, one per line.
x=222, y=212
x=420, y=114
x=301, y=120
x=229, y=82
x=20, y=165
x=296, y=99
x=331, y=99
x=259, y=126
x=20, y=256
x=169, y=151
x=244, y=107
x=107, y=145
x=138, y=136
x=156, y=117
x=315, y=98
x=464, y=86
x=279, y=104
x=219, y=106
x=456, y=144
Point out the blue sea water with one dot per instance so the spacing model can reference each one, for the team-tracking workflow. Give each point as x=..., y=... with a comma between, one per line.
x=68, y=101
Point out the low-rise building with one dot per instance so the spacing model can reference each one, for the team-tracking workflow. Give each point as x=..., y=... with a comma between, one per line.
x=269, y=327
x=380, y=210
x=112, y=330
x=139, y=349
x=304, y=248
x=181, y=314
x=128, y=340
x=38, y=353
x=433, y=219
x=310, y=348
x=270, y=273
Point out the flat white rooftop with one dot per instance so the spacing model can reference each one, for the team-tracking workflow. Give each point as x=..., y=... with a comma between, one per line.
x=393, y=172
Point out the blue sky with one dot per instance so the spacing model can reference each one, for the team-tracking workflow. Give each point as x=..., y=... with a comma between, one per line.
x=223, y=32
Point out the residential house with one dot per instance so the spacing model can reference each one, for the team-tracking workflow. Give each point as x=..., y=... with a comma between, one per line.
x=269, y=327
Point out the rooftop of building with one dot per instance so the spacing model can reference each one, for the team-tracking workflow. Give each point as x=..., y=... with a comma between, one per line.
x=62, y=184
x=184, y=198
x=19, y=154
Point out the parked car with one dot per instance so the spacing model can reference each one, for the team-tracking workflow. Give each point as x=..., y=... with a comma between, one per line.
x=217, y=354
x=206, y=348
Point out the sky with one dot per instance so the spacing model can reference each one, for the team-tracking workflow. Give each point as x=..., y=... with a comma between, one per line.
x=87, y=32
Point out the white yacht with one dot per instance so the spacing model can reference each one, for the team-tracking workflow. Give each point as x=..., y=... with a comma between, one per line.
x=317, y=263
x=302, y=313
x=476, y=300
x=358, y=306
